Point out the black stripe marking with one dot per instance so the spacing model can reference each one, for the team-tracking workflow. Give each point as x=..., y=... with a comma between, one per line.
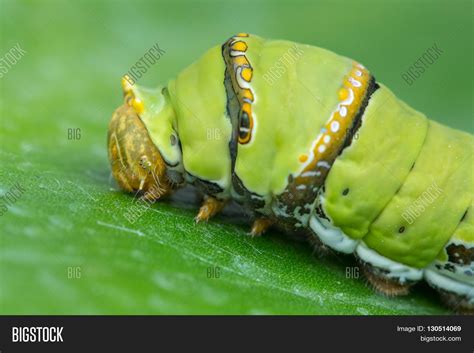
x=371, y=88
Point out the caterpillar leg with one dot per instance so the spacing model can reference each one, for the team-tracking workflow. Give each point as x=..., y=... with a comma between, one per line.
x=209, y=208
x=260, y=226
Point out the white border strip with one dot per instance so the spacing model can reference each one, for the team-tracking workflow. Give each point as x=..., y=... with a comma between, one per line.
x=332, y=236
x=395, y=269
x=450, y=285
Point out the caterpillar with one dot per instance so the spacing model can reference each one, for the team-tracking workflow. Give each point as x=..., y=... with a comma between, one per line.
x=308, y=142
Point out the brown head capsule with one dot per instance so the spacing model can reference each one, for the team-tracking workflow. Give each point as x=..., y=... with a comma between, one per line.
x=137, y=165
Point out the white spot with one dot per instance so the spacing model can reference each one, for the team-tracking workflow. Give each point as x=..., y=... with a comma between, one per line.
x=280, y=210
x=236, y=53
x=335, y=126
x=302, y=217
x=323, y=164
x=308, y=174
x=327, y=138
x=354, y=82
x=343, y=111
x=358, y=73
x=321, y=148
x=301, y=187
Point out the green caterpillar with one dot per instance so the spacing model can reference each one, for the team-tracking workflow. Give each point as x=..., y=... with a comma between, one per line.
x=311, y=143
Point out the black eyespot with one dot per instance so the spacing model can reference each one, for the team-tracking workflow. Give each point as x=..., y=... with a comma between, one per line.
x=244, y=120
x=243, y=134
x=345, y=191
x=401, y=229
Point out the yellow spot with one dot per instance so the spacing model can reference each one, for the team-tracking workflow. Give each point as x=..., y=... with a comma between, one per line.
x=247, y=74
x=343, y=94
x=248, y=94
x=242, y=35
x=241, y=60
x=240, y=46
x=303, y=158
x=246, y=108
x=137, y=104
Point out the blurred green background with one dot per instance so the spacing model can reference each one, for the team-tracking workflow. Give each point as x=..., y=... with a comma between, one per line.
x=70, y=218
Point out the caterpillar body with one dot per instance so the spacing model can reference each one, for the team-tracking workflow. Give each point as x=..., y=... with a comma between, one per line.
x=308, y=141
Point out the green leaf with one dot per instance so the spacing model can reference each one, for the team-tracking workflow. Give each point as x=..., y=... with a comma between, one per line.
x=66, y=246
x=163, y=263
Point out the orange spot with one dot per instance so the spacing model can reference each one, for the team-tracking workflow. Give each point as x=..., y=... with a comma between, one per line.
x=343, y=93
x=246, y=74
x=240, y=46
x=303, y=158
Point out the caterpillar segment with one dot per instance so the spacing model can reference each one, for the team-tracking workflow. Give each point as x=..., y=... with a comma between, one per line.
x=396, y=246
x=337, y=133
x=310, y=143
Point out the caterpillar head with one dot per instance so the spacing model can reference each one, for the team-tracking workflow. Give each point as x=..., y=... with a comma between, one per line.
x=137, y=164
